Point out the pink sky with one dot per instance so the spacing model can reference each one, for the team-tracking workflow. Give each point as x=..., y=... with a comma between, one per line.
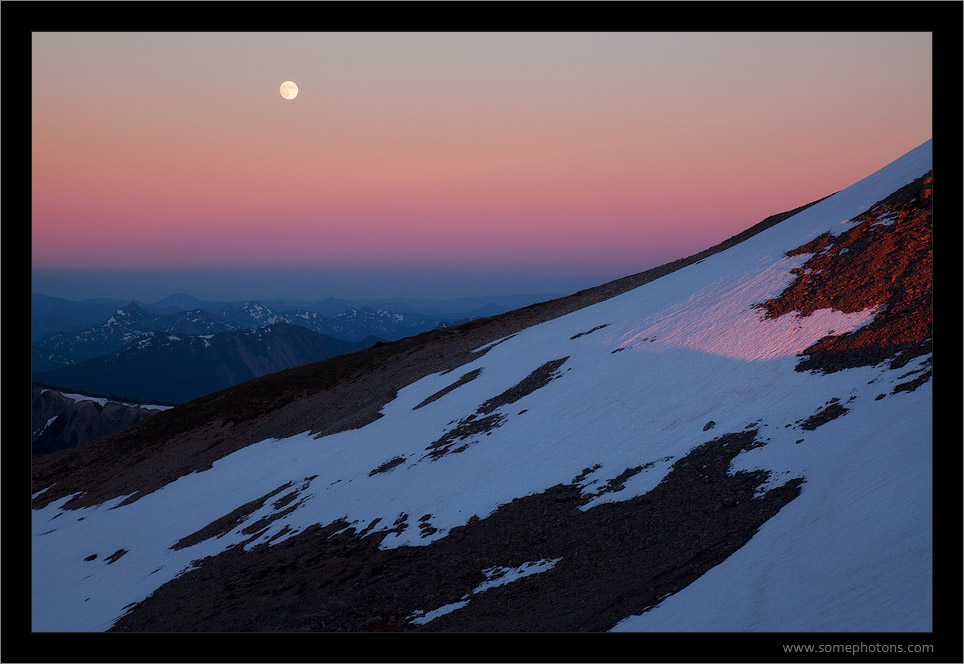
x=594, y=153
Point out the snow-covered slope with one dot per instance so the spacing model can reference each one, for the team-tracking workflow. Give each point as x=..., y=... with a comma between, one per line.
x=613, y=403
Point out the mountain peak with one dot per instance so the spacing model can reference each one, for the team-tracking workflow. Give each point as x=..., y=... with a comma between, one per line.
x=129, y=308
x=127, y=315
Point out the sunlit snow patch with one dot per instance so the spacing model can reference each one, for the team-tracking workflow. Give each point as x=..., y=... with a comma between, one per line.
x=722, y=319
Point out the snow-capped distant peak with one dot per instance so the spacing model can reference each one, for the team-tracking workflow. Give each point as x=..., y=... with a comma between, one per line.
x=260, y=313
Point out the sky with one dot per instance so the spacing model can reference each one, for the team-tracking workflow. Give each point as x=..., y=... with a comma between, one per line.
x=440, y=164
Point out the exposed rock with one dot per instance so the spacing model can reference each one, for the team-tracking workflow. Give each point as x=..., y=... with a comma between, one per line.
x=468, y=376
x=114, y=557
x=470, y=426
x=539, y=378
x=582, y=334
x=886, y=261
x=59, y=422
x=224, y=524
x=329, y=579
x=821, y=417
x=387, y=466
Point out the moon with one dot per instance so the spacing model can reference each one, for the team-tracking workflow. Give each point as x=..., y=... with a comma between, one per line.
x=289, y=90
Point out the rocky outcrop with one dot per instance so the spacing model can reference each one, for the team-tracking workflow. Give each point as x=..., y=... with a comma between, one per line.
x=59, y=421
x=884, y=261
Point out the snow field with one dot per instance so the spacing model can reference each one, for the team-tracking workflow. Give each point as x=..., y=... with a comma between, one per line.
x=852, y=553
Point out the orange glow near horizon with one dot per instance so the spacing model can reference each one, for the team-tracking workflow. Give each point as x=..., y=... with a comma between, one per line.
x=536, y=151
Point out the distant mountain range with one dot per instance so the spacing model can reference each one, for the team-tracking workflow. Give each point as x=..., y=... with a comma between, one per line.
x=130, y=350
x=122, y=327
x=174, y=368
x=50, y=315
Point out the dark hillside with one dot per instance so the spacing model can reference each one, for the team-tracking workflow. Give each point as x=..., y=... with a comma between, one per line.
x=175, y=368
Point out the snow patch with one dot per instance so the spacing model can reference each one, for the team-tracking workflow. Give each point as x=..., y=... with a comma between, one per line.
x=420, y=617
x=500, y=576
x=83, y=397
x=495, y=576
x=721, y=318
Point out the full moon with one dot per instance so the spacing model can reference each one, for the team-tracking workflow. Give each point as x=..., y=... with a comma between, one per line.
x=289, y=90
